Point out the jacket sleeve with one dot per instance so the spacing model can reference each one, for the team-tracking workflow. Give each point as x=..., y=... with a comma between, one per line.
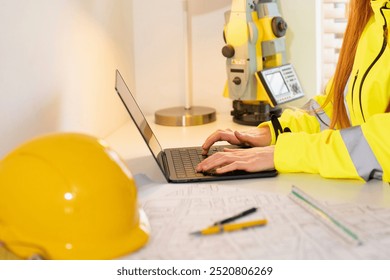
x=311, y=118
x=360, y=152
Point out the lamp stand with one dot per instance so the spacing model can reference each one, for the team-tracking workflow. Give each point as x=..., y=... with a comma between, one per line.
x=188, y=115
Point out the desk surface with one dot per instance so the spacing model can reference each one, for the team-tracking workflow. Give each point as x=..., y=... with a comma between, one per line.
x=370, y=199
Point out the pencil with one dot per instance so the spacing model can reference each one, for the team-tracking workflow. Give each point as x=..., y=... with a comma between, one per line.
x=230, y=227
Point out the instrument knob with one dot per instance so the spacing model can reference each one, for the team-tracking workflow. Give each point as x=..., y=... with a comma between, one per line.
x=279, y=26
x=237, y=81
x=228, y=51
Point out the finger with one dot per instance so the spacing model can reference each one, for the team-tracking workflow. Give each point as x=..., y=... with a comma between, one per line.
x=245, y=139
x=208, y=163
x=215, y=161
x=240, y=152
x=236, y=165
x=230, y=150
x=219, y=135
x=227, y=168
x=214, y=137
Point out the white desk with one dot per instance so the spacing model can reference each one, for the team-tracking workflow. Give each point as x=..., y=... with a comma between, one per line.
x=130, y=145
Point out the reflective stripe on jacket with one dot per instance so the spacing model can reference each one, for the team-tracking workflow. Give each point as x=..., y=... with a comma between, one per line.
x=359, y=152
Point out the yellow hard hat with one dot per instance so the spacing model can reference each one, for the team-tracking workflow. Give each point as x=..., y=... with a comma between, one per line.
x=69, y=196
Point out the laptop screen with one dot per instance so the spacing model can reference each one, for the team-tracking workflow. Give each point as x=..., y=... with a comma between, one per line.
x=137, y=115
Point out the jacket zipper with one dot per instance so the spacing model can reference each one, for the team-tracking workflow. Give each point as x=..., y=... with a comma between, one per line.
x=353, y=89
x=384, y=44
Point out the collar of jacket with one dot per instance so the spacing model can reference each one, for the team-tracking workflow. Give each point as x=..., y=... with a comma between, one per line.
x=381, y=9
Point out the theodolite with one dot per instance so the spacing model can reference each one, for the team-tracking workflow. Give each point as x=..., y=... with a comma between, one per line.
x=258, y=75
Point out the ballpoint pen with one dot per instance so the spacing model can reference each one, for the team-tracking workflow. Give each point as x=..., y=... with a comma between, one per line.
x=230, y=227
x=235, y=217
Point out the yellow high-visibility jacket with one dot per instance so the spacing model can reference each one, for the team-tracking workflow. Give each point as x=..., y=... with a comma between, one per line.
x=363, y=150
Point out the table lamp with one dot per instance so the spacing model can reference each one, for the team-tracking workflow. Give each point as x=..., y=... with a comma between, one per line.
x=188, y=115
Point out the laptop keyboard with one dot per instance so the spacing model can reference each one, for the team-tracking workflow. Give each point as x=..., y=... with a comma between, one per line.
x=186, y=160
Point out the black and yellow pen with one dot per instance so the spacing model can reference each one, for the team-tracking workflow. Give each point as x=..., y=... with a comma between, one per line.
x=230, y=227
x=235, y=217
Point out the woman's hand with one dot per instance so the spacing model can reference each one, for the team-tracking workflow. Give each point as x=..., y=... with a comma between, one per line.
x=256, y=137
x=250, y=160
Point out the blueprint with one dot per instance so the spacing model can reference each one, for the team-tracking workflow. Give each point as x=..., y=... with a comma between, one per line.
x=174, y=211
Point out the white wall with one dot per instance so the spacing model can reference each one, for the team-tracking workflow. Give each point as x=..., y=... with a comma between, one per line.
x=159, y=50
x=58, y=61
x=303, y=41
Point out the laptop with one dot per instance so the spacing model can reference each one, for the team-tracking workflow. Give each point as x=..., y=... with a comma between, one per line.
x=177, y=164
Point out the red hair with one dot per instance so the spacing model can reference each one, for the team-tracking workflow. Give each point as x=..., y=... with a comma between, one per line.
x=359, y=13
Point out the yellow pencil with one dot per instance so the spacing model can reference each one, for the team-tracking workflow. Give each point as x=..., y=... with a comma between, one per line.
x=230, y=227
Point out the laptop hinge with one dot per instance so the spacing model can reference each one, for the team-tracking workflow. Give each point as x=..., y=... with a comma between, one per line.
x=163, y=163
